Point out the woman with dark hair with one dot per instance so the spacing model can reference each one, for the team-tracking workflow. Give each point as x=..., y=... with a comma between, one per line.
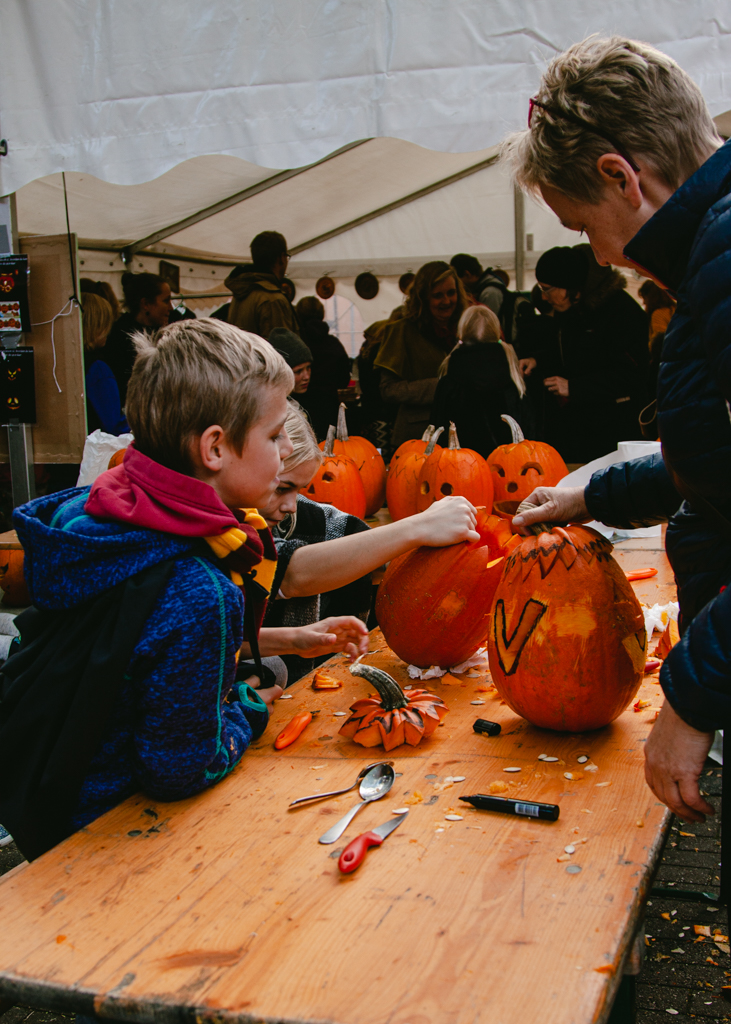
x=330, y=366
x=149, y=306
x=414, y=348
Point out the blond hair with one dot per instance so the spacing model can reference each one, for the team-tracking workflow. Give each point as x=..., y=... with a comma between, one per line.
x=302, y=437
x=629, y=98
x=97, y=319
x=193, y=374
x=478, y=325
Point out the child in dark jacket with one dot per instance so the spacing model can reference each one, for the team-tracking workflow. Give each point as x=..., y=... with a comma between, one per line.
x=207, y=404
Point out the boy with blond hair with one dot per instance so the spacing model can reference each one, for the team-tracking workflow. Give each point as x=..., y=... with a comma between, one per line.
x=621, y=146
x=126, y=674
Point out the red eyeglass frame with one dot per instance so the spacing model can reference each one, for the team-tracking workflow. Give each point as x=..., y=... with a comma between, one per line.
x=580, y=123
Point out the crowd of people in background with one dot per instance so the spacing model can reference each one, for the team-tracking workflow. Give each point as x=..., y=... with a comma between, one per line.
x=574, y=361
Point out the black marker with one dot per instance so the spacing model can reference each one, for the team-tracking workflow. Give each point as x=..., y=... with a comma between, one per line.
x=489, y=728
x=547, y=812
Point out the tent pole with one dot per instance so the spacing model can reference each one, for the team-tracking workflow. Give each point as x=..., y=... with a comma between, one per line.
x=20, y=437
x=519, y=211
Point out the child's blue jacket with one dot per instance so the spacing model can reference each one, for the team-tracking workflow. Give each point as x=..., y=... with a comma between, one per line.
x=182, y=722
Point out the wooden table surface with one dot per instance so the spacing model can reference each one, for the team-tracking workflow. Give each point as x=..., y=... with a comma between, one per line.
x=224, y=907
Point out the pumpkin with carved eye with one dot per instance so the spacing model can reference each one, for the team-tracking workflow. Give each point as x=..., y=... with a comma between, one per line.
x=337, y=482
x=368, y=460
x=567, y=641
x=402, y=483
x=455, y=470
x=518, y=468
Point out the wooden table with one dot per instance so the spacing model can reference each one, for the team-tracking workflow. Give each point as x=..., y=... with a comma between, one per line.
x=224, y=907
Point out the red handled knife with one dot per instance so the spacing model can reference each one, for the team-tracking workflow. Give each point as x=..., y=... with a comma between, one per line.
x=353, y=854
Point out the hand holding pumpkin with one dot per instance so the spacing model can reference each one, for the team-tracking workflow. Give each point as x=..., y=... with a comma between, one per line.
x=551, y=505
x=448, y=521
x=675, y=754
x=337, y=633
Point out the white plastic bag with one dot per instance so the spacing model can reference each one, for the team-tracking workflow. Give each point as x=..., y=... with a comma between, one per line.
x=98, y=450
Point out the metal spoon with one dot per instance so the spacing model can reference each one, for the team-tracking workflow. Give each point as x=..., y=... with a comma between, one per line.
x=337, y=792
x=376, y=783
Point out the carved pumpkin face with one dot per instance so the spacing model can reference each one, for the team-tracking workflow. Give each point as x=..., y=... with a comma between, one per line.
x=402, y=483
x=455, y=470
x=337, y=482
x=518, y=468
x=567, y=639
x=395, y=718
x=367, y=459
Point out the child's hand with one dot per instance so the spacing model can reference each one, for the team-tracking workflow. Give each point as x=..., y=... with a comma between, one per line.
x=268, y=695
x=448, y=521
x=330, y=636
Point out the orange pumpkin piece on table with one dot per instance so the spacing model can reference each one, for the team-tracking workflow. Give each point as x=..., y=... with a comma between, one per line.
x=518, y=468
x=367, y=458
x=402, y=482
x=455, y=470
x=433, y=603
x=12, y=578
x=337, y=482
x=567, y=642
x=668, y=640
x=396, y=718
x=322, y=681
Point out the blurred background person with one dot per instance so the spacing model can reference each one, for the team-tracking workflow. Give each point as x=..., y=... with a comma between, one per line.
x=660, y=307
x=105, y=290
x=103, y=406
x=149, y=305
x=297, y=355
x=259, y=303
x=414, y=347
x=330, y=366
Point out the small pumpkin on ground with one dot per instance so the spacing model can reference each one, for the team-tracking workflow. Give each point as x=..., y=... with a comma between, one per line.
x=402, y=483
x=367, y=458
x=567, y=642
x=433, y=603
x=337, y=482
x=396, y=718
x=518, y=468
x=454, y=470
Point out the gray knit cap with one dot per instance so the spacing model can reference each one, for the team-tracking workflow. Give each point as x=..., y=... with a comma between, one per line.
x=289, y=345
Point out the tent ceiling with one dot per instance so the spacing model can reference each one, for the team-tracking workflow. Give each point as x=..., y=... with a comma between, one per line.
x=125, y=90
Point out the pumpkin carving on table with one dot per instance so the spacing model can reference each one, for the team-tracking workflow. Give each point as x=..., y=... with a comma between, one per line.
x=567, y=640
x=337, y=482
x=402, y=483
x=518, y=468
x=433, y=603
x=368, y=460
x=455, y=470
x=394, y=719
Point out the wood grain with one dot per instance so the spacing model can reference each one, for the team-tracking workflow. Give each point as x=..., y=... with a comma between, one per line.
x=225, y=907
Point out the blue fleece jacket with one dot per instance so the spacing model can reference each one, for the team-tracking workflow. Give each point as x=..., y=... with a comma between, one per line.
x=182, y=722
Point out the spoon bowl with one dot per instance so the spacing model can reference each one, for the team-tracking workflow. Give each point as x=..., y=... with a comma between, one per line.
x=374, y=785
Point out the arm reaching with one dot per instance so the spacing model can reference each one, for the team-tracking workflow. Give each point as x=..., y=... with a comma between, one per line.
x=318, y=568
x=337, y=633
x=675, y=754
x=551, y=505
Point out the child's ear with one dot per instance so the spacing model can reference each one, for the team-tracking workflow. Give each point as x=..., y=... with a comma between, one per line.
x=207, y=451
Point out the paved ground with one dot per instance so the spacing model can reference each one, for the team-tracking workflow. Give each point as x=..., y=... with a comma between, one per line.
x=680, y=979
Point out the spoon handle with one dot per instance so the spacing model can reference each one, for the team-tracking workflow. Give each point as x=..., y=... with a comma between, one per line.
x=333, y=834
x=321, y=796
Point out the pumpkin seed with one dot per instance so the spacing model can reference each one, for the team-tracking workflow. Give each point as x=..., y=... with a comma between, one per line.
x=569, y=849
x=583, y=759
x=550, y=759
x=453, y=817
x=458, y=778
x=286, y=696
x=477, y=702
x=400, y=810
x=542, y=757
x=340, y=714
x=511, y=769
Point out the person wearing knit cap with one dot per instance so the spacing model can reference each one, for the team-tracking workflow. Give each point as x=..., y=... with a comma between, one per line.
x=297, y=355
x=590, y=353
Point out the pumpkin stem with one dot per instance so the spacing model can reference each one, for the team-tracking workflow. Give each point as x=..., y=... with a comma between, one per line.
x=329, y=441
x=342, y=434
x=427, y=435
x=515, y=430
x=539, y=528
x=433, y=440
x=391, y=694
x=453, y=439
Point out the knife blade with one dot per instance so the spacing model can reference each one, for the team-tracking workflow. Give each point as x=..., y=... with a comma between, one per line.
x=353, y=854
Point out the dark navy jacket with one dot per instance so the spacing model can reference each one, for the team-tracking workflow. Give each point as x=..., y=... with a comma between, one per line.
x=182, y=722
x=687, y=246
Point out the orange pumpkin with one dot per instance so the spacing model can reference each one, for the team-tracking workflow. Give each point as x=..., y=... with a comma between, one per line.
x=518, y=468
x=12, y=578
x=567, y=641
x=337, y=482
x=433, y=603
x=394, y=719
x=117, y=458
x=402, y=483
x=367, y=458
x=454, y=470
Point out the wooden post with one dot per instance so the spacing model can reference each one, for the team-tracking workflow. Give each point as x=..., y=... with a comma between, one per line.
x=519, y=210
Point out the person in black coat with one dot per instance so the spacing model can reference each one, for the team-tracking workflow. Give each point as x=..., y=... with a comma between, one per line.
x=479, y=382
x=149, y=304
x=330, y=366
x=590, y=353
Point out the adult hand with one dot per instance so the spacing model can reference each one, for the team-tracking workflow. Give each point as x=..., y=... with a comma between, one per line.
x=674, y=757
x=527, y=366
x=448, y=521
x=557, y=386
x=269, y=694
x=330, y=636
x=551, y=505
